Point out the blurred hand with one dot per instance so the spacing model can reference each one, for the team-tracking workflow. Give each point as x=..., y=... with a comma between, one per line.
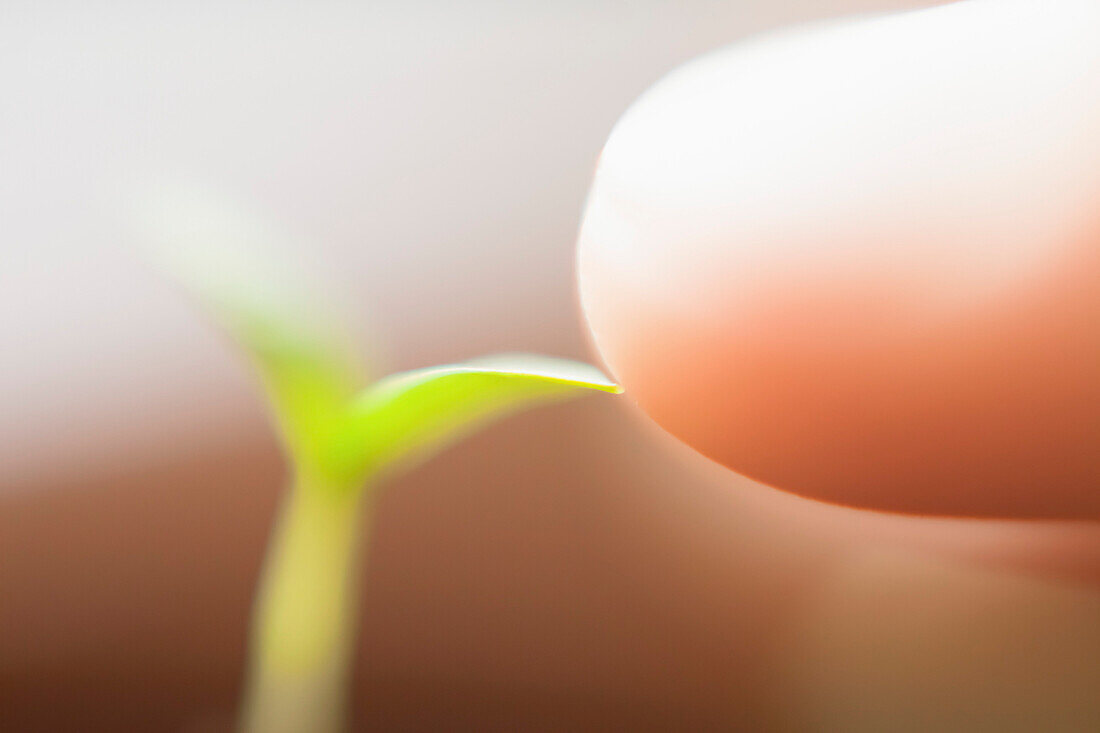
x=860, y=261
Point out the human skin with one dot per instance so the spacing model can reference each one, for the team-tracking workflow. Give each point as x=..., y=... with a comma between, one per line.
x=861, y=261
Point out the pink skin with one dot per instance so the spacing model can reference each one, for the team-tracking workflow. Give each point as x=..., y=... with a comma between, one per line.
x=861, y=262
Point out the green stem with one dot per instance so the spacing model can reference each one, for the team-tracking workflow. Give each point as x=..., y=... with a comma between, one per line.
x=303, y=627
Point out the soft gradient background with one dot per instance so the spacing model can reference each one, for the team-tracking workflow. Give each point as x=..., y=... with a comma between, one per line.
x=571, y=569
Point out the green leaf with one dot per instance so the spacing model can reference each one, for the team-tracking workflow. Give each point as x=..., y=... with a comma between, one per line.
x=410, y=414
x=336, y=433
x=241, y=271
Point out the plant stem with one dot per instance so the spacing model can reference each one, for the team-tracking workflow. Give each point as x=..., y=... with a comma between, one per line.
x=303, y=626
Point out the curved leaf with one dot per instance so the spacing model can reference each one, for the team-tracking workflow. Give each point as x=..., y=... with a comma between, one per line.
x=415, y=412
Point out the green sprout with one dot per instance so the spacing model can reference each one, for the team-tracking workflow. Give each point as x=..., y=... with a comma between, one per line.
x=341, y=435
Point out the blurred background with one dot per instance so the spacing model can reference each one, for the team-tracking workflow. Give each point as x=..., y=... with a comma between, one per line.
x=569, y=569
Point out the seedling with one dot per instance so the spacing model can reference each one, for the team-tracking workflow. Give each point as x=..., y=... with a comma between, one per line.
x=341, y=434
